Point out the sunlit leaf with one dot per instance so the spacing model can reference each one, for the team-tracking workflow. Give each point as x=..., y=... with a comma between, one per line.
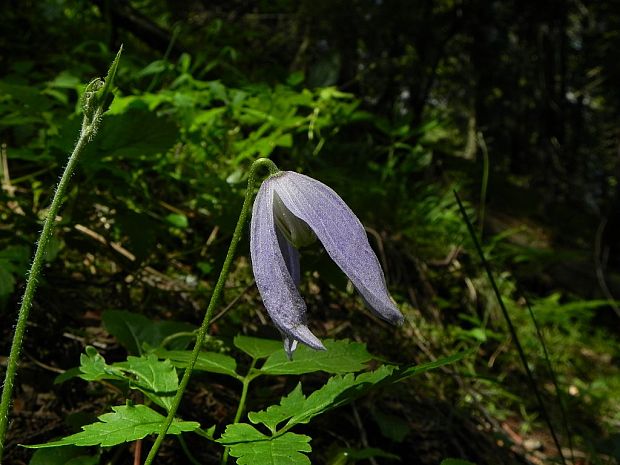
x=251, y=447
x=157, y=379
x=126, y=423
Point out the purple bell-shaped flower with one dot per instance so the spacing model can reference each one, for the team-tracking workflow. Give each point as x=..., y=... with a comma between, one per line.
x=291, y=210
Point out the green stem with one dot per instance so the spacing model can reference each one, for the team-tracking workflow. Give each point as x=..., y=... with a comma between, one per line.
x=167, y=340
x=241, y=407
x=96, y=102
x=215, y=298
x=187, y=451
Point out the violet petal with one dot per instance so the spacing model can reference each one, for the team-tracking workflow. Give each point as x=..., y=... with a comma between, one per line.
x=273, y=278
x=342, y=235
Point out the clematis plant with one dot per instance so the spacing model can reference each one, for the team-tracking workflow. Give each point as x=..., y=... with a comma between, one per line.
x=291, y=210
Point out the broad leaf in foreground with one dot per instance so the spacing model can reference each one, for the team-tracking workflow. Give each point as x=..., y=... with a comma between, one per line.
x=341, y=356
x=276, y=414
x=93, y=367
x=126, y=423
x=251, y=447
x=156, y=379
x=257, y=347
x=339, y=390
x=296, y=408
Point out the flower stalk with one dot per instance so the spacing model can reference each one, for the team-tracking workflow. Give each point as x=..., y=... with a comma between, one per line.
x=215, y=299
x=96, y=101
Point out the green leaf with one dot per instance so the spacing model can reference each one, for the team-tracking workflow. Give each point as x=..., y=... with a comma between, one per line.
x=212, y=362
x=126, y=423
x=67, y=455
x=251, y=447
x=177, y=220
x=256, y=347
x=296, y=408
x=157, y=379
x=339, y=390
x=93, y=367
x=133, y=330
x=341, y=356
x=276, y=414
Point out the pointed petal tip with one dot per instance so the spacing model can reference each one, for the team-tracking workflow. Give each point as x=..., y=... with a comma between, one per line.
x=303, y=334
x=300, y=333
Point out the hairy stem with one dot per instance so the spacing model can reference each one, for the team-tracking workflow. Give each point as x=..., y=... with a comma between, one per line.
x=97, y=99
x=215, y=298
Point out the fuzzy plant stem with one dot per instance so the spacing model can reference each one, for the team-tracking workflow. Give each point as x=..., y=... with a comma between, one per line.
x=213, y=303
x=97, y=98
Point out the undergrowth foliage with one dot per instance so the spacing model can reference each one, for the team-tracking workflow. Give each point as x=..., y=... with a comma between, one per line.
x=154, y=371
x=266, y=437
x=144, y=231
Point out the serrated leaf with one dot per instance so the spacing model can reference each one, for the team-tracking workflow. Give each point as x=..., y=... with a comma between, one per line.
x=241, y=432
x=126, y=423
x=257, y=348
x=251, y=447
x=157, y=379
x=276, y=414
x=133, y=330
x=296, y=408
x=212, y=362
x=339, y=390
x=93, y=367
x=341, y=356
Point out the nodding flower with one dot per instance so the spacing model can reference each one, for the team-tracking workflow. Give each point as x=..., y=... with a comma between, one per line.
x=290, y=211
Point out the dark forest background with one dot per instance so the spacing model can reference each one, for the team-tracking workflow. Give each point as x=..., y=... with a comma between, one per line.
x=394, y=104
